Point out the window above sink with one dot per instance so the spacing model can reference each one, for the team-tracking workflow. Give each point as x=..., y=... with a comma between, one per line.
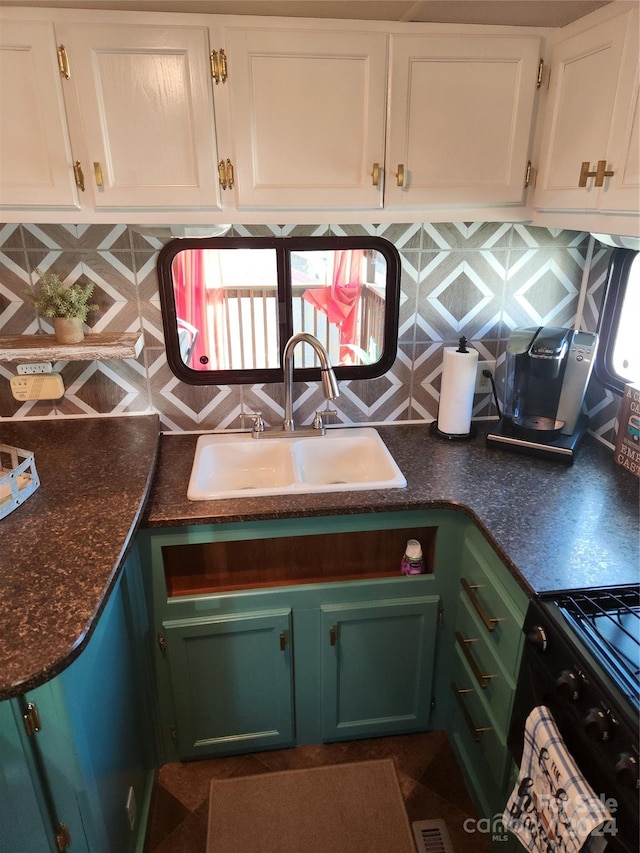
x=230, y=304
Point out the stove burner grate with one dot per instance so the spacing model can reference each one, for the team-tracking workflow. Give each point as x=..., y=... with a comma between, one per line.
x=608, y=621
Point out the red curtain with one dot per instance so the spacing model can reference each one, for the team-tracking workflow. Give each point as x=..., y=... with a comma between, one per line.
x=340, y=300
x=193, y=301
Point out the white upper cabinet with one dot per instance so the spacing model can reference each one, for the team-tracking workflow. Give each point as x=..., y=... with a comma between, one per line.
x=590, y=151
x=36, y=165
x=460, y=119
x=308, y=117
x=142, y=99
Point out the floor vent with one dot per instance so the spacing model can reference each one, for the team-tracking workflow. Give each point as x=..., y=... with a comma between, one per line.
x=431, y=836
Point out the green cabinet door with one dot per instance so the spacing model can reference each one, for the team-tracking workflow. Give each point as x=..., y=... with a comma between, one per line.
x=232, y=681
x=377, y=666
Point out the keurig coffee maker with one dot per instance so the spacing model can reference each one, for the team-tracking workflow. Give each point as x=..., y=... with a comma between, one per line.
x=547, y=370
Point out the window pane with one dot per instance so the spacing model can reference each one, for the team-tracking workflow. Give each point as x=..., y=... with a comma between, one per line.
x=339, y=297
x=227, y=308
x=626, y=351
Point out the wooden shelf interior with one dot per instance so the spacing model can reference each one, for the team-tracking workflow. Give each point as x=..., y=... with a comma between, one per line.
x=95, y=346
x=198, y=569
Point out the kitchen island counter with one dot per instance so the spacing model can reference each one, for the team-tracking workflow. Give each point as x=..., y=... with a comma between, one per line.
x=63, y=548
x=554, y=526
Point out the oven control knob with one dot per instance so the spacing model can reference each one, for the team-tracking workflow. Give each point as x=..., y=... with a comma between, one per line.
x=568, y=684
x=627, y=770
x=597, y=724
x=537, y=636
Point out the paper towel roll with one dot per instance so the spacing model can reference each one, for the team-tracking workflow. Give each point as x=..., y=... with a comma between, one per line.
x=456, y=390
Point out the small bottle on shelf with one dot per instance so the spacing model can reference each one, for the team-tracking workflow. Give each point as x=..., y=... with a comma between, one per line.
x=412, y=560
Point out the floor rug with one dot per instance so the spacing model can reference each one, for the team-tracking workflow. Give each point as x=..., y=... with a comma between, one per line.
x=342, y=808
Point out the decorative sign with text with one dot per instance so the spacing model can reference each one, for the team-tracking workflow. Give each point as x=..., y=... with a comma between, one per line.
x=627, y=453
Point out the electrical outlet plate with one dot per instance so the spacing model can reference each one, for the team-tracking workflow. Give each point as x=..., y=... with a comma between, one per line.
x=483, y=383
x=36, y=367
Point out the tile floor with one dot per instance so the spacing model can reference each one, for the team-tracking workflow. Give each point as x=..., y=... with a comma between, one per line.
x=429, y=777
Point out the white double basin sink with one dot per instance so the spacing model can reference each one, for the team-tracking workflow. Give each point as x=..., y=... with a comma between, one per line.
x=237, y=465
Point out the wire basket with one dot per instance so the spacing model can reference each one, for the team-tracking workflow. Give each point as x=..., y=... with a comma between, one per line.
x=18, y=477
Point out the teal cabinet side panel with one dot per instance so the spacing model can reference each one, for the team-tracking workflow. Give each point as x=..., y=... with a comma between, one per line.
x=234, y=680
x=107, y=714
x=377, y=667
x=24, y=823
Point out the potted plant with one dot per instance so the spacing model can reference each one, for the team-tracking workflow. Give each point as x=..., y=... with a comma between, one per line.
x=67, y=305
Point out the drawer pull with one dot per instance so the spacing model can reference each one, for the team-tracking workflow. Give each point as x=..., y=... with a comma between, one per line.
x=476, y=731
x=482, y=678
x=490, y=622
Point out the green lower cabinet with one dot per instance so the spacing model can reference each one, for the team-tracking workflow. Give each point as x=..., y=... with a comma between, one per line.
x=377, y=667
x=232, y=679
x=68, y=780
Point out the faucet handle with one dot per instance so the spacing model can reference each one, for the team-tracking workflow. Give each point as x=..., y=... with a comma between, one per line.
x=258, y=421
x=318, y=422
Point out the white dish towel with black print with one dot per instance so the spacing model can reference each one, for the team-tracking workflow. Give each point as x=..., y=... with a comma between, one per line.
x=552, y=806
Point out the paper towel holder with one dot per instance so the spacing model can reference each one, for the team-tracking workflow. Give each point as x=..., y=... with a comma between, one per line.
x=452, y=436
x=465, y=436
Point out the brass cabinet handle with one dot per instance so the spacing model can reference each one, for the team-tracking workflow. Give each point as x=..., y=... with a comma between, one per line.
x=490, y=622
x=223, y=66
x=63, y=62
x=585, y=173
x=400, y=175
x=226, y=176
x=218, y=63
x=333, y=635
x=375, y=175
x=600, y=173
x=79, y=175
x=482, y=678
x=97, y=171
x=283, y=641
x=476, y=731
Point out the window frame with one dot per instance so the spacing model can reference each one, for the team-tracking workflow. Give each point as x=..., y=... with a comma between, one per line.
x=609, y=319
x=283, y=247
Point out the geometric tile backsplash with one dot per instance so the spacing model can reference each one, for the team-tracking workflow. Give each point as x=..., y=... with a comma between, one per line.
x=478, y=279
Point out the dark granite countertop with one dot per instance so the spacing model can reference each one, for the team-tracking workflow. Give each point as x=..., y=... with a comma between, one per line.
x=555, y=527
x=62, y=549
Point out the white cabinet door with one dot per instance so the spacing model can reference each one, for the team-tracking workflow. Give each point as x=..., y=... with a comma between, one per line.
x=622, y=191
x=36, y=167
x=308, y=116
x=461, y=112
x=592, y=118
x=145, y=102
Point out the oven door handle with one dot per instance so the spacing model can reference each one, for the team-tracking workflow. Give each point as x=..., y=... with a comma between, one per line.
x=489, y=622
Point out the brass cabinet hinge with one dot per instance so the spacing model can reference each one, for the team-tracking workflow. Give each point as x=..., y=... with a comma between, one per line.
x=162, y=643
x=540, y=74
x=63, y=837
x=174, y=734
x=440, y=614
x=218, y=64
x=527, y=174
x=31, y=719
x=63, y=62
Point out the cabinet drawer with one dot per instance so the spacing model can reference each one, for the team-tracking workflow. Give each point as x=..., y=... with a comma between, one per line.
x=500, y=617
x=490, y=678
x=477, y=730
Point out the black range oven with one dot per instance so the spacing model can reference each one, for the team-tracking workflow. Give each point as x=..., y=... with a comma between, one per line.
x=582, y=660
